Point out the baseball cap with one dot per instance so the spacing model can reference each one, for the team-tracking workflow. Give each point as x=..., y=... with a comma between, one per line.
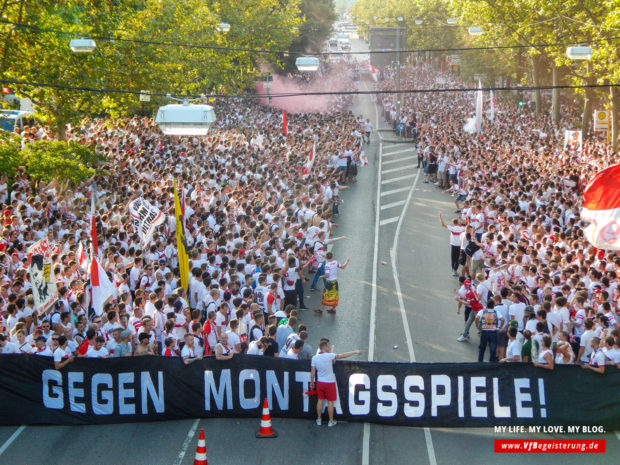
x=125, y=333
x=40, y=338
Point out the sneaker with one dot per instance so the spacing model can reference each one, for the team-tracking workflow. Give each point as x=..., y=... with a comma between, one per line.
x=457, y=211
x=332, y=423
x=461, y=338
x=313, y=289
x=319, y=422
x=306, y=308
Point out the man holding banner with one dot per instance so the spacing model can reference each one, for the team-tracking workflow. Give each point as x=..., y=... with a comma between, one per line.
x=322, y=378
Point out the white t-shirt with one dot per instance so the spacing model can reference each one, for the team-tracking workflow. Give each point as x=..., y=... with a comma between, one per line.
x=61, y=354
x=516, y=312
x=324, y=364
x=9, y=348
x=254, y=349
x=187, y=352
x=46, y=351
x=292, y=354
x=455, y=234
x=514, y=348
x=94, y=353
x=331, y=270
x=233, y=340
x=586, y=337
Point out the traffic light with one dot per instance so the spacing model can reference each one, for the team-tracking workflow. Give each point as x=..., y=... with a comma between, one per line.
x=6, y=90
x=521, y=103
x=398, y=102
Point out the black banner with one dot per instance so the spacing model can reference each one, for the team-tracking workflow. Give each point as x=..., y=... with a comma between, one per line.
x=97, y=391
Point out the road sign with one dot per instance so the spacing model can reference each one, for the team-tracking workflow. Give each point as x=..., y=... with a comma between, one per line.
x=601, y=120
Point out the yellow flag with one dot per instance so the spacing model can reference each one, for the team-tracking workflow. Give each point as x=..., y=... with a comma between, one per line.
x=181, y=244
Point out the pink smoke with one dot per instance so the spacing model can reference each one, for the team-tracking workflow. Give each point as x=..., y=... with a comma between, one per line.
x=336, y=80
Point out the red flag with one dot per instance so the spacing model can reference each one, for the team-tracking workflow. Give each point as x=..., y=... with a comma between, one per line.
x=94, y=272
x=601, y=207
x=284, y=123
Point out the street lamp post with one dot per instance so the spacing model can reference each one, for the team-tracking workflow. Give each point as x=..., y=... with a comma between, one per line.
x=267, y=86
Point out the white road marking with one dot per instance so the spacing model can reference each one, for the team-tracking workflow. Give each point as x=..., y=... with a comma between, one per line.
x=389, y=162
x=395, y=191
x=188, y=439
x=399, y=178
x=400, y=168
x=392, y=205
x=373, y=294
x=389, y=221
x=427, y=433
x=13, y=437
x=408, y=149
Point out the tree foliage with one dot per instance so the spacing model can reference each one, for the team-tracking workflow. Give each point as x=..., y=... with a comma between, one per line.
x=10, y=156
x=128, y=62
x=518, y=22
x=66, y=161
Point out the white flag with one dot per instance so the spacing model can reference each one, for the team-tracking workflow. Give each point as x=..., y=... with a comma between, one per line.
x=479, y=105
x=102, y=287
x=146, y=218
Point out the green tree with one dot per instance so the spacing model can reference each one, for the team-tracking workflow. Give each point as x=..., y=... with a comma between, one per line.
x=10, y=155
x=69, y=162
x=128, y=62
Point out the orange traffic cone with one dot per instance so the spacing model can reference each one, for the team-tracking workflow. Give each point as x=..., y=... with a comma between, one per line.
x=201, y=451
x=266, y=431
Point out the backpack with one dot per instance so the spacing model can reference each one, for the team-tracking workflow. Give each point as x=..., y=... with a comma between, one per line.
x=252, y=338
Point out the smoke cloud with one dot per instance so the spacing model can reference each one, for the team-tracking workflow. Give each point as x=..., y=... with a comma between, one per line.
x=336, y=79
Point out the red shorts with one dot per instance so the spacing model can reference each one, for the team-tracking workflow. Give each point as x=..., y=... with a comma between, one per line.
x=326, y=391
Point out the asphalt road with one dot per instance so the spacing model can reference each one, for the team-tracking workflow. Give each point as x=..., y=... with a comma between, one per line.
x=391, y=199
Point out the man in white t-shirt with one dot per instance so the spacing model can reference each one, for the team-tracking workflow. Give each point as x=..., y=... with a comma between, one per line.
x=455, y=230
x=513, y=353
x=517, y=310
x=322, y=372
x=7, y=347
x=62, y=355
x=98, y=351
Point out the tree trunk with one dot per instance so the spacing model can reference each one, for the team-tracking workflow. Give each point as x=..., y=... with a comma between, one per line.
x=60, y=130
x=536, y=81
x=555, y=96
x=613, y=122
x=587, y=104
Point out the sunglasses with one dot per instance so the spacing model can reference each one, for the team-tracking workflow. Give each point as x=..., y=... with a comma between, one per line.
x=54, y=339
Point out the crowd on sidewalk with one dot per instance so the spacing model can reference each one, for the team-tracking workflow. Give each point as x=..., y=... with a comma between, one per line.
x=531, y=283
x=259, y=215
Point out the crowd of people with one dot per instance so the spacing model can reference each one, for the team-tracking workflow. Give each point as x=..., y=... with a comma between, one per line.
x=259, y=215
x=531, y=283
